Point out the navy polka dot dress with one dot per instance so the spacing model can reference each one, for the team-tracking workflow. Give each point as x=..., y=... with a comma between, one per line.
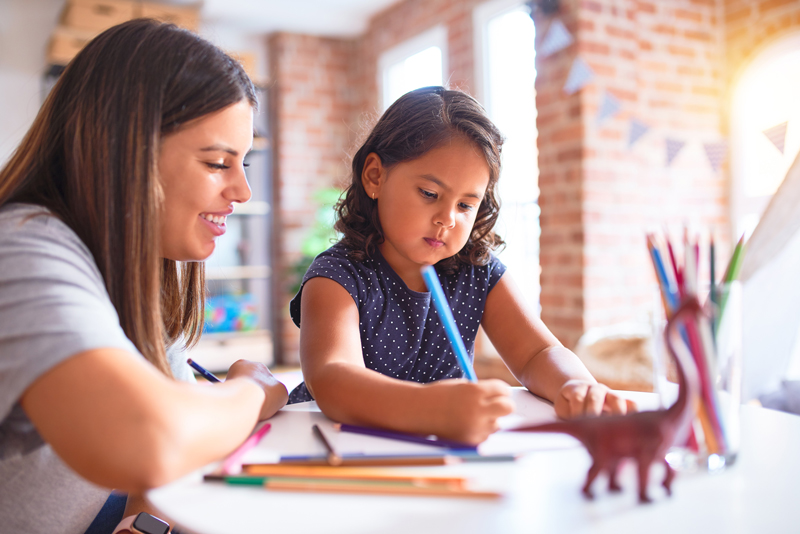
x=401, y=333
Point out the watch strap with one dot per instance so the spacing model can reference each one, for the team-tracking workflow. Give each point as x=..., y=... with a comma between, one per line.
x=125, y=524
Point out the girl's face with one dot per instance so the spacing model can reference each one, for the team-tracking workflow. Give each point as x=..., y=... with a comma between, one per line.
x=202, y=174
x=427, y=206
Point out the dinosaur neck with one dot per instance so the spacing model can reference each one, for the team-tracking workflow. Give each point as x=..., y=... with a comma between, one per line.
x=687, y=384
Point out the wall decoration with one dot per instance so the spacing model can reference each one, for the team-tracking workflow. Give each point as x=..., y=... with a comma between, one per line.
x=556, y=39
x=673, y=147
x=777, y=135
x=609, y=107
x=716, y=153
x=638, y=129
x=579, y=76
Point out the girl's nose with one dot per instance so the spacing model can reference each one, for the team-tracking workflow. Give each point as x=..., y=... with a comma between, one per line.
x=446, y=217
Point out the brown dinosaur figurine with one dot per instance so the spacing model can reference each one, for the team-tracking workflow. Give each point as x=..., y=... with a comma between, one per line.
x=643, y=436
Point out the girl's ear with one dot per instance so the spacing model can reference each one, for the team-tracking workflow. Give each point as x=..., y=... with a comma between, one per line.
x=372, y=175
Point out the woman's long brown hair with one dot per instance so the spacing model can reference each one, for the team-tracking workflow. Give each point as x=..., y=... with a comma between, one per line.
x=91, y=155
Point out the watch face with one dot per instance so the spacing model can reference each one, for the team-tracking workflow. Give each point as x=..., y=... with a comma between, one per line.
x=147, y=524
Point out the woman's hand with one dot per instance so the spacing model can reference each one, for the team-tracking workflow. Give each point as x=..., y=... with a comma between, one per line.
x=581, y=397
x=275, y=391
x=469, y=410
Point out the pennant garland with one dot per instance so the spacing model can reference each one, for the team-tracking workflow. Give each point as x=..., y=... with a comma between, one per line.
x=673, y=147
x=609, y=107
x=777, y=135
x=716, y=153
x=579, y=76
x=638, y=129
x=557, y=38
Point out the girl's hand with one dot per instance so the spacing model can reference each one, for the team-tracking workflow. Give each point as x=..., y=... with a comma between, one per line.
x=581, y=397
x=468, y=410
x=276, y=394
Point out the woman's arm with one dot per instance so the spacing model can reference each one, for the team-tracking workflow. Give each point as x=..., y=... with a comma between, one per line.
x=538, y=360
x=118, y=422
x=348, y=392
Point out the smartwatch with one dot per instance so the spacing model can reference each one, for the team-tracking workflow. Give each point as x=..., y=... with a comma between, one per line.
x=143, y=523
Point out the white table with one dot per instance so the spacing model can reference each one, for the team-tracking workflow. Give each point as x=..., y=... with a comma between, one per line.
x=760, y=493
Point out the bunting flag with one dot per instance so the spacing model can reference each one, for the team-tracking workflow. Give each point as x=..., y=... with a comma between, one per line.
x=609, y=107
x=579, y=76
x=716, y=153
x=638, y=129
x=557, y=38
x=673, y=147
x=777, y=135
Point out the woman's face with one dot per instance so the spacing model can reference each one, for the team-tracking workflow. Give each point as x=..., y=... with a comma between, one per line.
x=202, y=174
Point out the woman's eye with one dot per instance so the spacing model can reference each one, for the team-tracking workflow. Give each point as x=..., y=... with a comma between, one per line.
x=427, y=194
x=245, y=165
x=217, y=166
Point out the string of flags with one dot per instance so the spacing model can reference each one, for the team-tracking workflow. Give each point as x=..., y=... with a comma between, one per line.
x=581, y=74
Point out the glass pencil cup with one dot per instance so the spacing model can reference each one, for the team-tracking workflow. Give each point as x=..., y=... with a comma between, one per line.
x=713, y=338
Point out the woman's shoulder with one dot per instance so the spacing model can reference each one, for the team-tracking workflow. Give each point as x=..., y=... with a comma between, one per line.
x=35, y=243
x=30, y=223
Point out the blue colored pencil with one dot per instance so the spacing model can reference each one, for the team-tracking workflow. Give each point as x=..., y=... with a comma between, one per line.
x=200, y=369
x=450, y=328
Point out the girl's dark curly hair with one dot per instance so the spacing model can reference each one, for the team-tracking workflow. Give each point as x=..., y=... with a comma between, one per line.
x=416, y=123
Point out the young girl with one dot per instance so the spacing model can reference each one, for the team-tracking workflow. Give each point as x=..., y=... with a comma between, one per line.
x=127, y=175
x=372, y=347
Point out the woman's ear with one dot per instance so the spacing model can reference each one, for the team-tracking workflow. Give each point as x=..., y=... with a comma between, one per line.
x=373, y=174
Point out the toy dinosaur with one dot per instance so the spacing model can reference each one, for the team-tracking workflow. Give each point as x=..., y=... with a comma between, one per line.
x=644, y=437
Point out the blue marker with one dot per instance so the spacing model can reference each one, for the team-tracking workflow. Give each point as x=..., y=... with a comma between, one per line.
x=200, y=369
x=450, y=328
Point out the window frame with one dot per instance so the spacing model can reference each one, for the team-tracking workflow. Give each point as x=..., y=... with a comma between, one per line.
x=433, y=37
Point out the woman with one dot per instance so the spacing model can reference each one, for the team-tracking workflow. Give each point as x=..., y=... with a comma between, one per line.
x=131, y=167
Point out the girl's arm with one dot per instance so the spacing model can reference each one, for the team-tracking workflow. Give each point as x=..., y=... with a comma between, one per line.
x=539, y=361
x=348, y=392
x=119, y=423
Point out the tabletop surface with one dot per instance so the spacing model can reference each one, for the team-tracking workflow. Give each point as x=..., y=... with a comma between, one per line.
x=541, y=490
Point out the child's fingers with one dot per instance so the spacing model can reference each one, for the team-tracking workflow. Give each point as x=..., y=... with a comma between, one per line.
x=576, y=397
x=615, y=405
x=594, y=401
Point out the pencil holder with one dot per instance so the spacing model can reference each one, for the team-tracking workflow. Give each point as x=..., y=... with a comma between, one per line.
x=714, y=339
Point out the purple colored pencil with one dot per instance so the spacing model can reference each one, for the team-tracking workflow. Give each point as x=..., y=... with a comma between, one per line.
x=401, y=436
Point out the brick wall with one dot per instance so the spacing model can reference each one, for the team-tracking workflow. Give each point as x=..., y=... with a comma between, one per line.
x=313, y=102
x=662, y=60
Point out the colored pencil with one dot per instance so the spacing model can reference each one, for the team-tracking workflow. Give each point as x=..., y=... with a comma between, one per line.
x=203, y=372
x=350, y=473
x=451, y=458
x=375, y=489
x=402, y=436
x=446, y=315
x=333, y=457
x=233, y=463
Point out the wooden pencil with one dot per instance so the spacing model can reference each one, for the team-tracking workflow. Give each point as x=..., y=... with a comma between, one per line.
x=376, y=489
x=354, y=473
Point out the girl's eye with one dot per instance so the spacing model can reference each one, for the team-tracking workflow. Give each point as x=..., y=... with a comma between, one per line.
x=466, y=207
x=427, y=194
x=217, y=166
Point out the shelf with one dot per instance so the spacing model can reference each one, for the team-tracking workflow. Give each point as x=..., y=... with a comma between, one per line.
x=216, y=352
x=238, y=272
x=254, y=207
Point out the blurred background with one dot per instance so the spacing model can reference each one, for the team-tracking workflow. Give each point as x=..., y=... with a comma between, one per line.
x=621, y=116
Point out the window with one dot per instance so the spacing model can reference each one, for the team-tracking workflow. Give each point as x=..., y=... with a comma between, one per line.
x=765, y=96
x=418, y=62
x=506, y=74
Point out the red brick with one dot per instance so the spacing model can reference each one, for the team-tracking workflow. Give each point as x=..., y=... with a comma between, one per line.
x=768, y=5
x=693, y=16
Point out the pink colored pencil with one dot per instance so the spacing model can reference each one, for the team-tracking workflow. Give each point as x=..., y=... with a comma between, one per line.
x=233, y=463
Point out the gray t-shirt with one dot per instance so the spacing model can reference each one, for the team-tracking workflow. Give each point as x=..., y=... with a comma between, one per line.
x=53, y=305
